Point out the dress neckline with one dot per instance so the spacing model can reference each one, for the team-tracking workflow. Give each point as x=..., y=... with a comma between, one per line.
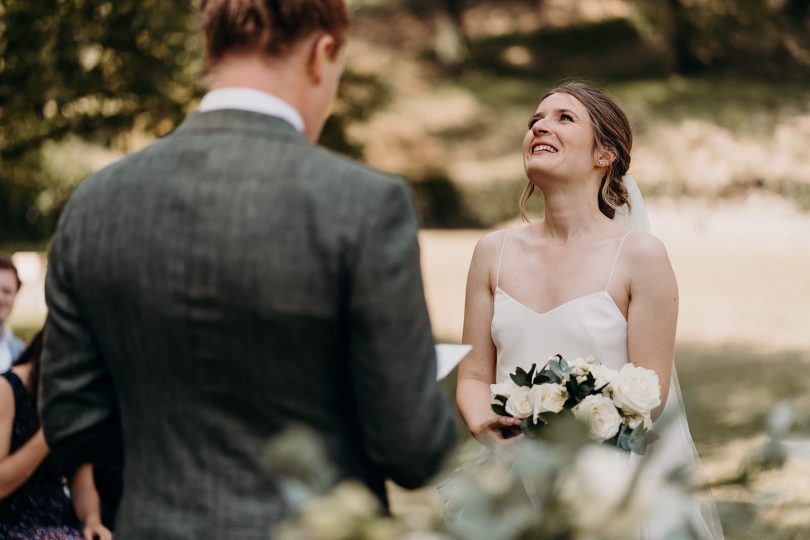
x=603, y=292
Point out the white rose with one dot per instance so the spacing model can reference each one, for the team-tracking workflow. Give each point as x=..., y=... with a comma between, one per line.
x=601, y=416
x=582, y=366
x=548, y=397
x=519, y=403
x=604, y=376
x=592, y=492
x=636, y=389
x=503, y=389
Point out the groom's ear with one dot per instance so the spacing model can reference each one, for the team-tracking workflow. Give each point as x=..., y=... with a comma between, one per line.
x=324, y=51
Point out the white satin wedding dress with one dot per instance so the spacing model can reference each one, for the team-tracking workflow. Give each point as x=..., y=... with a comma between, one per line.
x=593, y=325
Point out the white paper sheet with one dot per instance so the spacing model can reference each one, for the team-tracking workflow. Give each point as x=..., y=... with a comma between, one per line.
x=447, y=358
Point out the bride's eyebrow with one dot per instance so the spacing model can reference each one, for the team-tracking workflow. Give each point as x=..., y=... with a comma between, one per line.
x=567, y=111
x=538, y=115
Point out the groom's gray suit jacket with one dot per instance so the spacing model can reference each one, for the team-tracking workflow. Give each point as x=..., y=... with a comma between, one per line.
x=226, y=282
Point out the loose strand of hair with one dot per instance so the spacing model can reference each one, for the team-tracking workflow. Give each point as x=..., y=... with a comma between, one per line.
x=524, y=199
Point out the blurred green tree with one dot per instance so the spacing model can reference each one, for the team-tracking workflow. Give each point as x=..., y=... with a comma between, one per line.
x=88, y=68
x=103, y=71
x=755, y=37
x=451, y=43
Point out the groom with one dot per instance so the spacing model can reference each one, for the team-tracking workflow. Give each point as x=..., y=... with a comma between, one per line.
x=234, y=279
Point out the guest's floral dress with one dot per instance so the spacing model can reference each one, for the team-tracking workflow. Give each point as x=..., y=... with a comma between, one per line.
x=39, y=509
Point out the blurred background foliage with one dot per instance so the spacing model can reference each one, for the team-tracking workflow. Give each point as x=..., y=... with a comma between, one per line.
x=84, y=81
x=718, y=92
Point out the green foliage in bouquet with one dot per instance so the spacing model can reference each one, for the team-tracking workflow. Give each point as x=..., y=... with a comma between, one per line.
x=563, y=389
x=636, y=440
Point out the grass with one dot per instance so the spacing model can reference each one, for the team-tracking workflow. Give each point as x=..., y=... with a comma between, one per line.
x=728, y=392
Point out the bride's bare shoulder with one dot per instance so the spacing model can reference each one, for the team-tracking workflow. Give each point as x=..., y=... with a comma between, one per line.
x=488, y=248
x=491, y=243
x=645, y=249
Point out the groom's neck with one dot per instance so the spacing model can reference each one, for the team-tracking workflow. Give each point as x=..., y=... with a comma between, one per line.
x=282, y=77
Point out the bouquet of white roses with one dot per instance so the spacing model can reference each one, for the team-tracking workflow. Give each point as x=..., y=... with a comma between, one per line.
x=615, y=405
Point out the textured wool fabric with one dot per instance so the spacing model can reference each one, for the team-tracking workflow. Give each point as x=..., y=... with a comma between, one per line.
x=224, y=283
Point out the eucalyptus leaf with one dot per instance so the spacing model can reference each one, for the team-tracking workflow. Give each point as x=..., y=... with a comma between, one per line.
x=521, y=377
x=558, y=369
x=547, y=376
x=499, y=409
x=624, y=439
x=636, y=440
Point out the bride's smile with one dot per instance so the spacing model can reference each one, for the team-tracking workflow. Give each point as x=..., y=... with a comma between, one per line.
x=560, y=142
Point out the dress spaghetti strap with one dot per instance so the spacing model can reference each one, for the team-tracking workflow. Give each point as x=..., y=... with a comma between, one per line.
x=498, y=272
x=618, y=252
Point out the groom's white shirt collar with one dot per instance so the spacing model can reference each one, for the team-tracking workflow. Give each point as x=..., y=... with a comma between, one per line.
x=250, y=99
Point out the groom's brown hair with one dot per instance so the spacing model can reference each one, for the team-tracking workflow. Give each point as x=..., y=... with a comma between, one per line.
x=268, y=26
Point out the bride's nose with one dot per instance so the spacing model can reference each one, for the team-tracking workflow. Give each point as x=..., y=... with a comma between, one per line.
x=538, y=128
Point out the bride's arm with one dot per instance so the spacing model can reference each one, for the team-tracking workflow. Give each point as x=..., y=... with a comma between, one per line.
x=652, y=315
x=477, y=371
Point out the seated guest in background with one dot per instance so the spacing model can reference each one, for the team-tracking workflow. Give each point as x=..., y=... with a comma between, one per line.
x=33, y=502
x=10, y=345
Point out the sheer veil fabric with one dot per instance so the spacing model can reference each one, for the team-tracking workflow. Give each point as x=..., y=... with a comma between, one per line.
x=676, y=447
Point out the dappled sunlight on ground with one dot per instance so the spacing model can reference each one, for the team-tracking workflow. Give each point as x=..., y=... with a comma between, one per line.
x=707, y=157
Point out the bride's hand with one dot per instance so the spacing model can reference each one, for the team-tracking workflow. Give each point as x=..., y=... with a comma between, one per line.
x=498, y=431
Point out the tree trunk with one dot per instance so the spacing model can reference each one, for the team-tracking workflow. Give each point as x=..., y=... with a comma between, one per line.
x=686, y=62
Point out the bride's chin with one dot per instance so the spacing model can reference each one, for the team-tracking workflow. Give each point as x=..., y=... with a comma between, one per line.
x=540, y=177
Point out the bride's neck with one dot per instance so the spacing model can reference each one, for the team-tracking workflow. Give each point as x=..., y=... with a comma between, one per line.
x=571, y=212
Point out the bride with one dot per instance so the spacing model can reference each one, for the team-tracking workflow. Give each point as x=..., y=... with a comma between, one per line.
x=586, y=280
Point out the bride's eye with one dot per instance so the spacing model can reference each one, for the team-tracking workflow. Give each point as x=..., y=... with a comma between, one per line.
x=566, y=116
x=532, y=121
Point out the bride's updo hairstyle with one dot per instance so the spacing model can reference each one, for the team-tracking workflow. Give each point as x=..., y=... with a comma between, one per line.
x=611, y=130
